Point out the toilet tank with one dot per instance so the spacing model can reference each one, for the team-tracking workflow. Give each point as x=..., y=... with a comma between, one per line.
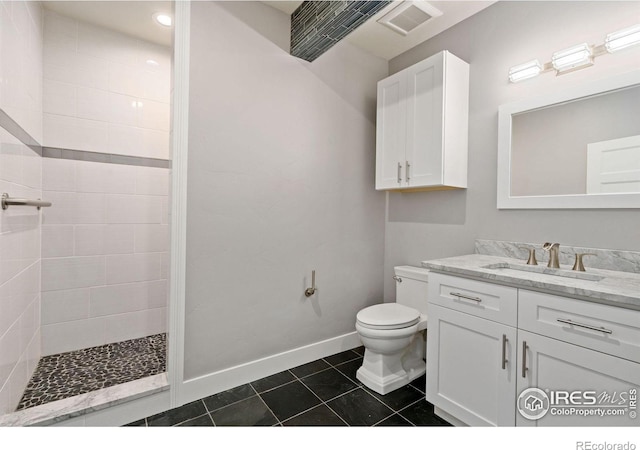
x=412, y=290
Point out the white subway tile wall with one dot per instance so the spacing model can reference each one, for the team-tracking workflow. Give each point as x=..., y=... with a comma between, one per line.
x=105, y=242
x=21, y=64
x=20, y=176
x=104, y=91
x=19, y=270
x=101, y=275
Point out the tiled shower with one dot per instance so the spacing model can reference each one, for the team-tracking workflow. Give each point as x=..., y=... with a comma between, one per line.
x=84, y=124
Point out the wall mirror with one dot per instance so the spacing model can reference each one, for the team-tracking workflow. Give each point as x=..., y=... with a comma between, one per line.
x=579, y=148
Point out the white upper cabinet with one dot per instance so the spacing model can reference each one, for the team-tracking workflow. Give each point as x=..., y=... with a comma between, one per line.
x=422, y=122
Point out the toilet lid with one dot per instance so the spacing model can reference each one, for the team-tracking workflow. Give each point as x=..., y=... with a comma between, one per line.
x=388, y=316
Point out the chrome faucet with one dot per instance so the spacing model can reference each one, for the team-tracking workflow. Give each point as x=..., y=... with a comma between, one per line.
x=553, y=250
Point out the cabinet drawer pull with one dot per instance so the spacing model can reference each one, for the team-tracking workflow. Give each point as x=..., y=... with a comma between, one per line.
x=524, y=359
x=399, y=173
x=504, y=351
x=582, y=325
x=459, y=295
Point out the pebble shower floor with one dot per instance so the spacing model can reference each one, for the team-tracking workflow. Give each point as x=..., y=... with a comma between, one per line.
x=73, y=373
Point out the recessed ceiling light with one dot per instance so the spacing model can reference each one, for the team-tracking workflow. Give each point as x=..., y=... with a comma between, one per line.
x=163, y=19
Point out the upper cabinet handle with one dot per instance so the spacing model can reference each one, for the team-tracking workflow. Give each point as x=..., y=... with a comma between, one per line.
x=399, y=173
x=406, y=172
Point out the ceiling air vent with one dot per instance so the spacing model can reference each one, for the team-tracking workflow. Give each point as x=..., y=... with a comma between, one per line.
x=408, y=16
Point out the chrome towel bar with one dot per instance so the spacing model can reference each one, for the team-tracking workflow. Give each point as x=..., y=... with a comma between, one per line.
x=8, y=201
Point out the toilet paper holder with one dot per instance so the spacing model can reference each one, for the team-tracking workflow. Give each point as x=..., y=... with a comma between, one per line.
x=312, y=290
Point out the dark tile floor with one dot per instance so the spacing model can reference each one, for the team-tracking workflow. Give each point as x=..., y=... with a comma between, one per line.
x=323, y=392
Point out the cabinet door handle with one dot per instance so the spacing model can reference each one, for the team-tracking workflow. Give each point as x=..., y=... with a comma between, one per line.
x=399, y=173
x=406, y=172
x=582, y=325
x=524, y=359
x=504, y=351
x=459, y=295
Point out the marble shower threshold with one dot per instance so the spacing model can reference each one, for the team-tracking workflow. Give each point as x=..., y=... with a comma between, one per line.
x=68, y=408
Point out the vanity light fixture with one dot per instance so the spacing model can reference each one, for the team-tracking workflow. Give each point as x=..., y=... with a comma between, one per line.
x=578, y=56
x=524, y=71
x=572, y=58
x=622, y=39
x=163, y=19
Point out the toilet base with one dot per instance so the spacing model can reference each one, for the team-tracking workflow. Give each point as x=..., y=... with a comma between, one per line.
x=391, y=382
x=384, y=373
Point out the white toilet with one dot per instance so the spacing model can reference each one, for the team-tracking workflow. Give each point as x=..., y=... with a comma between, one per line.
x=392, y=334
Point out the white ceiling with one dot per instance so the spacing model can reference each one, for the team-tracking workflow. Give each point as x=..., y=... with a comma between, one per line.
x=129, y=17
x=285, y=6
x=134, y=18
x=385, y=43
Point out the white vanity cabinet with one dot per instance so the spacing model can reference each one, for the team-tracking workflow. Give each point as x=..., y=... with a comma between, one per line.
x=571, y=345
x=466, y=376
x=552, y=342
x=471, y=350
x=422, y=126
x=557, y=366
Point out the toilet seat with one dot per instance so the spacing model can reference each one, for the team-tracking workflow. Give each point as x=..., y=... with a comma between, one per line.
x=387, y=316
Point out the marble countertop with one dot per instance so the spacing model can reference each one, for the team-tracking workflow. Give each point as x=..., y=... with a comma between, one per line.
x=611, y=287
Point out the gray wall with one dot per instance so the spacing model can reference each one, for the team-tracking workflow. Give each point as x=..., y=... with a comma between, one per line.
x=428, y=225
x=281, y=177
x=550, y=144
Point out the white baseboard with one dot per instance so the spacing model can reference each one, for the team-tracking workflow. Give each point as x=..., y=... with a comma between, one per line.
x=222, y=380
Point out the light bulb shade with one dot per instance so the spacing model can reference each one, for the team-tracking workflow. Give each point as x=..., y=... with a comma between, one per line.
x=622, y=39
x=572, y=58
x=524, y=71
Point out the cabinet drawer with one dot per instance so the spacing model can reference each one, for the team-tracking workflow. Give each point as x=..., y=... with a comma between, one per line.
x=605, y=328
x=486, y=300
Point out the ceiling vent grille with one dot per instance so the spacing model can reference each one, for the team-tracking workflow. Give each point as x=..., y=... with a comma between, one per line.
x=408, y=16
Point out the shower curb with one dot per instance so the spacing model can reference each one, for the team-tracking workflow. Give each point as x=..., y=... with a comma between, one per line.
x=60, y=410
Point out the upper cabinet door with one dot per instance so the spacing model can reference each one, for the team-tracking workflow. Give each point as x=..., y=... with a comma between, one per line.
x=422, y=126
x=425, y=114
x=390, y=132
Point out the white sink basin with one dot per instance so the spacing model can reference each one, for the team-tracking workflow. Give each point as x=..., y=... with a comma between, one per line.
x=507, y=267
